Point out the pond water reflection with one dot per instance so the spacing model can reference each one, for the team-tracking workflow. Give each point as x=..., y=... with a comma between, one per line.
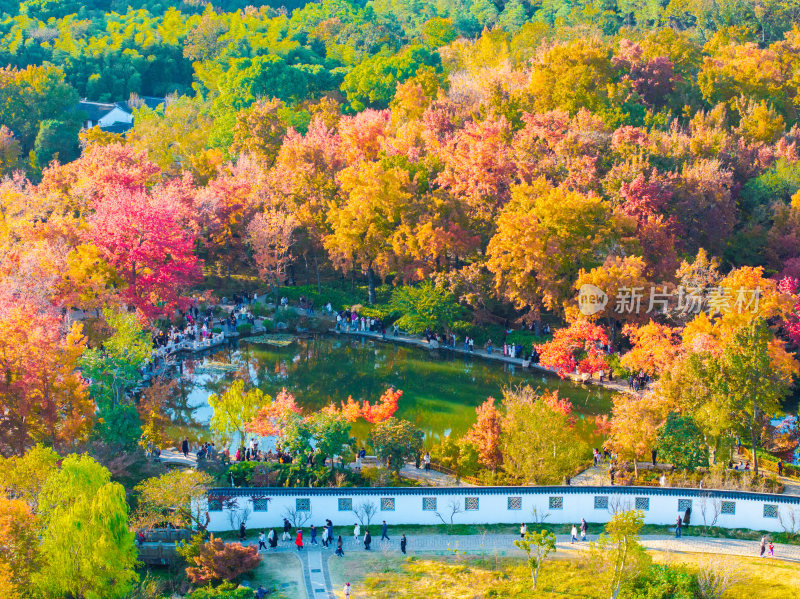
x=440, y=389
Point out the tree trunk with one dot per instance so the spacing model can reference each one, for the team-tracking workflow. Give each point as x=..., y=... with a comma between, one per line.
x=753, y=437
x=308, y=274
x=635, y=468
x=371, y=278
x=316, y=267
x=534, y=573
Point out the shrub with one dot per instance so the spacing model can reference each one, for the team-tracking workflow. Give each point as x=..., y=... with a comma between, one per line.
x=527, y=339
x=216, y=330
x=661, y=581
x=769, y=462
x=241, y=472
x=217, y=561
x=615, y=363
x=224, y=591
x=382, y=311
x=244, y=329
x=260, y=309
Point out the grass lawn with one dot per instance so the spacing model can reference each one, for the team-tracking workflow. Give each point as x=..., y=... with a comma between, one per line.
x=465, y=577
x=281, y=571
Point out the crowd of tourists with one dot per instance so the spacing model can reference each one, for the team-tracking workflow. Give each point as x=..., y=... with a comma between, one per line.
x=320, y=536
x=638, y=382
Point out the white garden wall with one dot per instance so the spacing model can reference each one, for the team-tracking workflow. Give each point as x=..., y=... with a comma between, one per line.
x=267, y=507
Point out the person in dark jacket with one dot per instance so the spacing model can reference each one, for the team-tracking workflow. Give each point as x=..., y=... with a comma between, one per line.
x=287, y=528
x=384, y=529
x=242, y=531
x=367, y=540
x=687, y=516
x=339, y=547
x=403, y=544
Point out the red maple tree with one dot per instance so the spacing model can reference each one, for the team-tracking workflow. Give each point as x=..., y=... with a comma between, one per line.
x=217, y=561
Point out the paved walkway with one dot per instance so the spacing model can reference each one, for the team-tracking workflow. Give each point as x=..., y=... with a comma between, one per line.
x=431, y=478
x=314, y=558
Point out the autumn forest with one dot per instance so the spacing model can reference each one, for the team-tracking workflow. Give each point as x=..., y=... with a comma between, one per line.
x=460, y=167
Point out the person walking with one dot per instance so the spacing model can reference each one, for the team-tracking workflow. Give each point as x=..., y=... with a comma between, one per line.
x=261, y=541
x=654, y=454
x=403, y=544
x=427, y=461
x=574, y=533
x=325, y=537
x=287, y=527
x=242, y=531
x=185, y=447
x=678, y=524
x=272, y=538
x=763, y=545
x=522, y=530
x=313, y=535
x=771, y=548
x=367, y=540
x=347, y=590
x=780, y=467
x=356, y=531
x=329, y=527
x=299, y=539
x=340, y=547
x=583, y=529
x=384, y=533
x=687, y=516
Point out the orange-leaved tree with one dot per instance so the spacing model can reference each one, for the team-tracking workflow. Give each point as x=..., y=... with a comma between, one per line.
x=655, y=348
x=42, y=395
x=575, y=346
x=382, y=409
x=486, y=434
x=635, y=423
x=273, y=418
x=217, y=560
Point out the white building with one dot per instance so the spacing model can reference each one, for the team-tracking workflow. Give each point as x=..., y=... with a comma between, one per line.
x=266, y=507
x=116, y=117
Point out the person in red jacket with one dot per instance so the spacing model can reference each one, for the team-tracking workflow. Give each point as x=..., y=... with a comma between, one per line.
x=299, y=540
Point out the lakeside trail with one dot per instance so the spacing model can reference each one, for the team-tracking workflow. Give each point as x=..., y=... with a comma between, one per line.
x=316, y=574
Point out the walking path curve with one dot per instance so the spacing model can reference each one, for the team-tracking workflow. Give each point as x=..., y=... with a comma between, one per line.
x=317, y=576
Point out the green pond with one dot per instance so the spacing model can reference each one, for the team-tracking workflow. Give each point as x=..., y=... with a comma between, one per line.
x=440, y=389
